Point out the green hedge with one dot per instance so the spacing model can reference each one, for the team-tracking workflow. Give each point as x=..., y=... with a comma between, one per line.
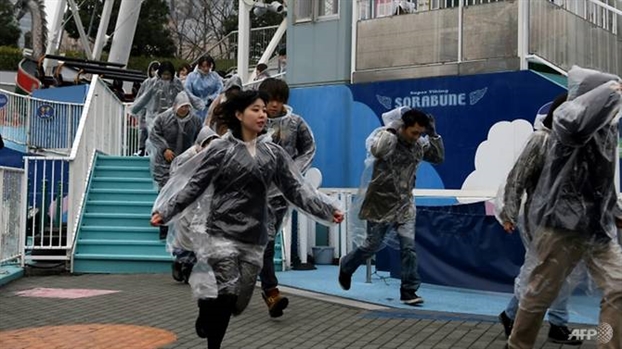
x=10, y=58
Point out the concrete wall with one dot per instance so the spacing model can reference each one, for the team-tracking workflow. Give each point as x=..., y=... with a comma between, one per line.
x=319, y=52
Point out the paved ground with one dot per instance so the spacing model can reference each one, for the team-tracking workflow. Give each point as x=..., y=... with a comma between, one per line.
x=152, y=311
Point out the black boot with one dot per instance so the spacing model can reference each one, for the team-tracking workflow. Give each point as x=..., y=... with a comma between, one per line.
x=507, y=323
x=562, y=335
x=163, y=232
x=178, y=271
x=186, y=271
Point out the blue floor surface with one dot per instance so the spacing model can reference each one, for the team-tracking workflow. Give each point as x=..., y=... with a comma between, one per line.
x=384, y=290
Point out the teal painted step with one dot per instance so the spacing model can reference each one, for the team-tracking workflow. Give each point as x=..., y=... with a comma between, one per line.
x=147, y=234
x=134, y=264
x=122, y=171
x=117, y=219
x=114, y=235
x=109, y=206
x=123, y=194
x=120, y=247
x=123, y=161
x=122, y=183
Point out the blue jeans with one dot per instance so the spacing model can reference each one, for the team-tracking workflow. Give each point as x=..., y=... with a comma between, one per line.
x=375, y=235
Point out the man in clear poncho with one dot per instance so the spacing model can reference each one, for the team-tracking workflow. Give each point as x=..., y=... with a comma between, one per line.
x=172, y=133
x=571, y=212
x=180, y=243
x=158, y=96
x=292, y=133
x=395, y=153
x=523, y=179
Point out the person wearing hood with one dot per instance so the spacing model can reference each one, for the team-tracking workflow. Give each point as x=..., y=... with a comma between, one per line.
x=394, y=154
x=181, y=244
x=572, y=210
x=522, y=179
x=204, y=83
x=157, y=98
x=239, y=169
x=173, y=132
x=292, y=133
x=233, y=86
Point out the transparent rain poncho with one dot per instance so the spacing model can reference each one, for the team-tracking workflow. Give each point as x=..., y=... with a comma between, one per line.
x=182, y=168
x=205, y=87
x=294, y=135
x=232, y=235
x=173, y=132
x=385, y=194
x=158, y=96
x=572, y=211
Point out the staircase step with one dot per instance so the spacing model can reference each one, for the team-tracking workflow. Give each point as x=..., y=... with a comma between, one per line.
x=123, y=194
x=121, y=247
x=121, y=264
x=133, y=161
x=109, y=206
x=122, y=183
x=95, y=232
x=117, y=219
x=122, y=171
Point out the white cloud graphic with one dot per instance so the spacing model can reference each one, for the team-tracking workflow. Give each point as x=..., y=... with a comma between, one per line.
x=496, y=155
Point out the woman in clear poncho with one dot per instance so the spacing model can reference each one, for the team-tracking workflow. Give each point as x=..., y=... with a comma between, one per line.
x=572, y=211
x=523, y=179
x=179, y=243
x=204, y=83
x=239, y=170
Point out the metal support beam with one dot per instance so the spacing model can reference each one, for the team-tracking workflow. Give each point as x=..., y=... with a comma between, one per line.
x=86, y=46
x=244, y=28
x=55, y=33
x=123, y=35
x=265, y=57
x=102, y=38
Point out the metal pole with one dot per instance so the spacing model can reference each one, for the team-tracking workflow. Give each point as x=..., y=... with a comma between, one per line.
x=55, y=33
x=353, y=38
x=368, y=276
x=460, y=29
x=244, y=26
x=86, y=46
x=272, y=45
x=100, y=39
x=127, y=21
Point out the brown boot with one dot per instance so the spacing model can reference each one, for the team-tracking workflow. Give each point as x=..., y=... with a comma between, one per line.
x=275, y=302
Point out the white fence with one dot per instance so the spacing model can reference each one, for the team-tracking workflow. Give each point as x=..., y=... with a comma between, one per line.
x=37, y=123
x=11, y=182
x=56, y=186
x=341, y=237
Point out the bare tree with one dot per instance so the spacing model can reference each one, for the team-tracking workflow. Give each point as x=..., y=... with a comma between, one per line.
x=197, y=25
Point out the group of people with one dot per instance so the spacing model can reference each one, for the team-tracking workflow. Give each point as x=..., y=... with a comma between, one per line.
x=571, y=213
x=227, y=182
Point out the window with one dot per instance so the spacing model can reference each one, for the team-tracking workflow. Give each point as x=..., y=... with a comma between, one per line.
x=311, y=10
x=328, y=8
x=303, y=10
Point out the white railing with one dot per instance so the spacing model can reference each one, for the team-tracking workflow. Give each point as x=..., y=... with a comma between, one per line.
x=131, y=132
x=11, y=182
x=57, y=185
x=38, y=124
x=370, y=9
x=341, y=236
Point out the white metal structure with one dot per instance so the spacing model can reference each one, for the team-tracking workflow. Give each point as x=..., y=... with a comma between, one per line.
x=11, y=181
x=59, y=183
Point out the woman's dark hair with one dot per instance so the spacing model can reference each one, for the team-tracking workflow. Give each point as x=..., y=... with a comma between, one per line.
x=276, y=89
x=185, y=66
x=166, y=66
x=559, y=100
x=415, y=116
x=238, y=103
x=208, y=59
